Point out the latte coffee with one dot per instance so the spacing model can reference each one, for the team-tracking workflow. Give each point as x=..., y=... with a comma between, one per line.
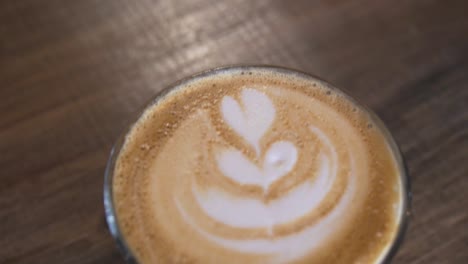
x=257, y=165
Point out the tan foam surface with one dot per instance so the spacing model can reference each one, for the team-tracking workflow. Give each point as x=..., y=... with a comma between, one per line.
x=257, y=166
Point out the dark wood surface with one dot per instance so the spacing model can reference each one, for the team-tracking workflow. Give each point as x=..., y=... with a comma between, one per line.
x=74, y=73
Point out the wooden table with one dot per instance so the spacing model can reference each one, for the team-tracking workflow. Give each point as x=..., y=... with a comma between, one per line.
x=74, y=73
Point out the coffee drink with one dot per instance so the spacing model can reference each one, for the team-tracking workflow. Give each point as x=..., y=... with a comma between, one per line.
x=257, y=165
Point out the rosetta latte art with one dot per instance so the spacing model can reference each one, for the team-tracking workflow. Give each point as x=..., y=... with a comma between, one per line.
x=251, y=119
x=264, y=167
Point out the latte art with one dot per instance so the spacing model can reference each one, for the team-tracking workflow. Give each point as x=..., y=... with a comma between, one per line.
x=303, y=201
x=255, y=170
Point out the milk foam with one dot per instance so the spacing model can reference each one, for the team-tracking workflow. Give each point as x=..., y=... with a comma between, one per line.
x=264, y=175
x=251, y=121
x=286, y=248
x=278, y=161
x=252, y=213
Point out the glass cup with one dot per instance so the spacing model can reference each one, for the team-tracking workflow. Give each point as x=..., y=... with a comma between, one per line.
x=112, y=218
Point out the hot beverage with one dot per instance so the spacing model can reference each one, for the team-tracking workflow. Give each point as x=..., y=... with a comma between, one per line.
x=257, y=165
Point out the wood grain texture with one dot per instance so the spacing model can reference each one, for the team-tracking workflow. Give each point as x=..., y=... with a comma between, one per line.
x=74, y=73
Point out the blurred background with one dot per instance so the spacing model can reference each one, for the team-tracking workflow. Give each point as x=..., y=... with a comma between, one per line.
x=74, y=73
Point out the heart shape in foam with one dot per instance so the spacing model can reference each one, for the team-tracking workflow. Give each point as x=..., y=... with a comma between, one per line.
x=279, y=160
x=253, y=119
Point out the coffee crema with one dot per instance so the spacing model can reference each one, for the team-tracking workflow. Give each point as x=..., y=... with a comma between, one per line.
x=257, y=165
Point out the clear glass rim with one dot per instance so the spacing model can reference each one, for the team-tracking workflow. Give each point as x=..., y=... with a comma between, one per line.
x=110, y=214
